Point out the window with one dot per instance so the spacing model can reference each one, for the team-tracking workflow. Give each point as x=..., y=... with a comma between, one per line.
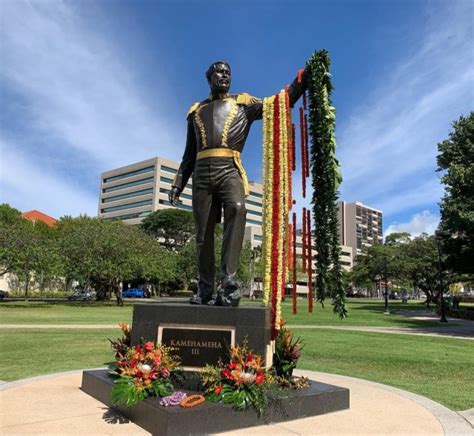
x=258, y=223
x=129, y=216
x=127, y=206
x=168, y=169
x=253, y=212
x=128, y=195
x=170, y=181
x=129, y=184
x=179, y=206
x=254, y=203
x=182, y=195
x=258, y=237
x=129, y=174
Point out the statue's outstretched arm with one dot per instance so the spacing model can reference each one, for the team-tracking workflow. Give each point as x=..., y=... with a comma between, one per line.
x=295, y=91
x=189, y=159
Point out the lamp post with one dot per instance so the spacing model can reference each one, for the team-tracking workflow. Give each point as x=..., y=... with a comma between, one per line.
x=438, y=235
x=386, y=311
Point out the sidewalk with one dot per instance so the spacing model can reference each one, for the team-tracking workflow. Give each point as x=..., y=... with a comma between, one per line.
x=55, y=405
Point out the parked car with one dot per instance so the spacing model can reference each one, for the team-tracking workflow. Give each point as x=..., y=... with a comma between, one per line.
x=3, y=295
x=135, y=293
x=82, y=295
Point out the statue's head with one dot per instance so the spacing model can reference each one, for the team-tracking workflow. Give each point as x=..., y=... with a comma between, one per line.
x=219, y=77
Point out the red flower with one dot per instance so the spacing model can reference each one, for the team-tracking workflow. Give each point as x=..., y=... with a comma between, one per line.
x=165, y=373
x=149, y=346
x=218, y=390
x=249, y=357
x=138, y=348
x=260, y=378
x=226, y=373
x=232, y=365
x=133, y=362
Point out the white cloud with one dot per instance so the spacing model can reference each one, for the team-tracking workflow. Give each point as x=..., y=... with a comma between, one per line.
x=76, y=105
x=25, y=186
x=388, y=148
x=423, y=222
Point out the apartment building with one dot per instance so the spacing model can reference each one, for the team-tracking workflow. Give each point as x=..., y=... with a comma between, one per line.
x=254, y=235
x=360, y=226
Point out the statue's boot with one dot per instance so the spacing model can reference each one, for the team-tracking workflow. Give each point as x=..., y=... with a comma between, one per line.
x=228, y=293
x=204, y=296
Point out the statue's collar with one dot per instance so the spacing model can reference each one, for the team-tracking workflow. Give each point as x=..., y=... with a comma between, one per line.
x=219, y=96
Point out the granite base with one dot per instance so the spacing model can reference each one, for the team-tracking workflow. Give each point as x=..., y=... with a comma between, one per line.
x=318, y=399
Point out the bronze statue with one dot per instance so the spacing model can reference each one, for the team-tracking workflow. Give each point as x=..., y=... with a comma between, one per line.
x=217, y=130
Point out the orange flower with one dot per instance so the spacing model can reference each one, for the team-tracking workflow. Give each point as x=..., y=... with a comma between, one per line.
x=218, y=390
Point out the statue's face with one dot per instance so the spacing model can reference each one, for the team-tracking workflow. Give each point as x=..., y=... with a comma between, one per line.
x=220, y=79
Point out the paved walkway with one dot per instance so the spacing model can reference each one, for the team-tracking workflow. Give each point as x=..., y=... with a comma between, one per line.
x=55, y=405
x=455, y=328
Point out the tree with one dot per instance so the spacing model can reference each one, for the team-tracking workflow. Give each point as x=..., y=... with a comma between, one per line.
x=456, y=161
x=173, y=227
x=422, y=265
x=99, y=253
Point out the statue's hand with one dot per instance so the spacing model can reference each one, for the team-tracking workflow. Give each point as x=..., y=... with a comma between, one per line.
x=173, y=196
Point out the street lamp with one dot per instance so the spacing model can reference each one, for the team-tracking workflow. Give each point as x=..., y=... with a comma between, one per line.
x=386, y=311
x=438, y=235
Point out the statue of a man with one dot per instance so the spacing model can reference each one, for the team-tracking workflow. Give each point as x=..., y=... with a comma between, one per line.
x=217, y=130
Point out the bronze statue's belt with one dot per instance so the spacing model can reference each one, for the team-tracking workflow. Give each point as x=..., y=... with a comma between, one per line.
x=227, y=152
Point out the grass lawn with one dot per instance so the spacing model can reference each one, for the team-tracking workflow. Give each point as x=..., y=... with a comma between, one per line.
x=361, y=313
x=438, y=368
x=26, y=353
x=64, y=312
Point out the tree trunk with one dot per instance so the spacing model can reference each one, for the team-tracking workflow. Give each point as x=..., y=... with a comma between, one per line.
x=26, y=286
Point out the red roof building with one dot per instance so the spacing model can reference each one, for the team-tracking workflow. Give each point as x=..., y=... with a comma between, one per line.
x=36, y=215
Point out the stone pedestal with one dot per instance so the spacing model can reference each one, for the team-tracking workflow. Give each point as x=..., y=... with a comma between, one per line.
x=203, y=334
x=210, y=418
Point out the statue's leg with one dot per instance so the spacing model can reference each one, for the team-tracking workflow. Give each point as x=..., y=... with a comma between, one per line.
x=204, y=212
x=231, y=194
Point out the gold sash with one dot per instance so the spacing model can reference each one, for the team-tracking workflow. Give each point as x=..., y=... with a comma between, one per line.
x=227, y=152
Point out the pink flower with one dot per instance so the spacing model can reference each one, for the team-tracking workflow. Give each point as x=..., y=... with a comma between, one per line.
x=149, y=346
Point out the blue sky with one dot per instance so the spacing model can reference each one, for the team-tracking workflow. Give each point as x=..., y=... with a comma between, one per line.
x=87, y=86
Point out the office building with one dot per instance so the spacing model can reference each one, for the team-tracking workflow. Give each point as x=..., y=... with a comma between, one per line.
x=360, y=226
x=132, y=192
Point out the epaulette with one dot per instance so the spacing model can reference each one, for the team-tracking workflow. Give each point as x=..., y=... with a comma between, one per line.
x=193, y=107
x=245, y=98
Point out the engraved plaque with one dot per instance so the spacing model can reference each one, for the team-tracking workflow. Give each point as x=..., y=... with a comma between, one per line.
x=197, y=346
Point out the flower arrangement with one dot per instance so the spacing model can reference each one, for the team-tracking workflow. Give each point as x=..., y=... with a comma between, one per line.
x=142, y=370
x=122, y=345
x=287, y=352
x=243, y=382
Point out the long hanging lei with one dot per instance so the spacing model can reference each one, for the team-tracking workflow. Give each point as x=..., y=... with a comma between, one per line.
x=278, y=163
x=326, y=178
x=279, y=160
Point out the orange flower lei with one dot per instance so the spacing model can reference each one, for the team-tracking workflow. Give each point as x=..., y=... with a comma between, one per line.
x=192, y=401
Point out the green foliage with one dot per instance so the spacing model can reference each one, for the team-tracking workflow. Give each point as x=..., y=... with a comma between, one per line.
x=403, y=262
x=326, y=178
x=174, y=227
x=28, y=249
x=287, y=353
x=99, y=253
x=456, y=161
